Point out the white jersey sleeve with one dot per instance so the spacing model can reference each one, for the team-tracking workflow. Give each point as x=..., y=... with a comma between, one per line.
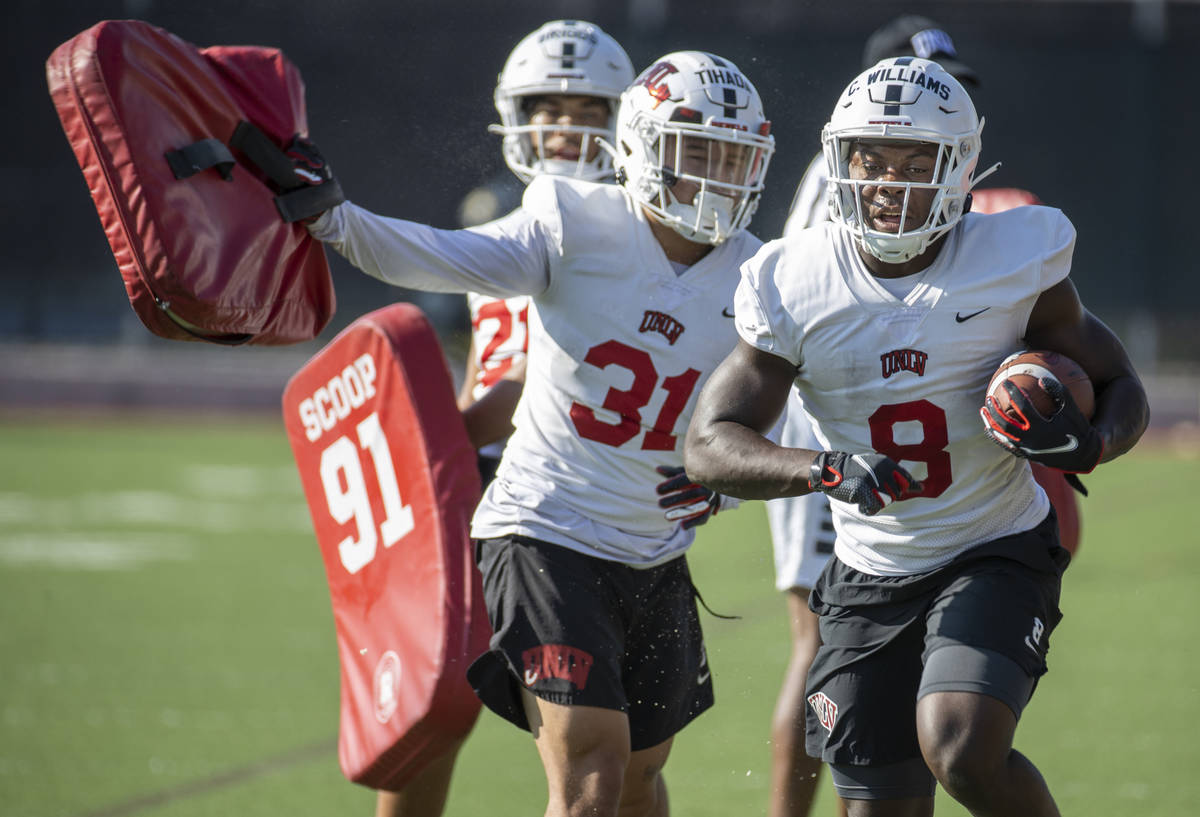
x=502, y=258
x=905, y=376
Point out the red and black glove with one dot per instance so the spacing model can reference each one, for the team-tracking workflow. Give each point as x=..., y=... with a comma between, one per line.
x=299, y=174
x=309, y=165
x=870, y=481
x=1064, y=440
x=687, y=502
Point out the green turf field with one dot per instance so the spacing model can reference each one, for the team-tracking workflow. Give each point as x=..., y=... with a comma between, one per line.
x=167, y=644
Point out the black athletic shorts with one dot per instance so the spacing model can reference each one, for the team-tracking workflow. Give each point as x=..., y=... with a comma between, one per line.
x=578, y=630
x=999, y=600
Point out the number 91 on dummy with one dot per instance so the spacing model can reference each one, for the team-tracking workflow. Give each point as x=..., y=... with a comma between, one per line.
x=345, y=489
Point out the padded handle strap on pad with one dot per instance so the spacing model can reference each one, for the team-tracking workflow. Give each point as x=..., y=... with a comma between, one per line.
x=265, y=155
x=299, y=199
x=307, y=201
x=200, y=156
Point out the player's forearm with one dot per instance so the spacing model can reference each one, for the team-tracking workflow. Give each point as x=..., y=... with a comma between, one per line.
x=1122, y=414
x=734, y=460
x=489, y=419
x=417, y=256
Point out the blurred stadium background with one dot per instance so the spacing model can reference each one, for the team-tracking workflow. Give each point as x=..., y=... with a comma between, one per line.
x=1084, y=102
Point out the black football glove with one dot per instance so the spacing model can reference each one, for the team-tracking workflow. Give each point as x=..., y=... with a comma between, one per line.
x=686, y=502
x=316, y=187
x=870, y=481
x=299, y=174
x=309, y=165
x=1064, y=440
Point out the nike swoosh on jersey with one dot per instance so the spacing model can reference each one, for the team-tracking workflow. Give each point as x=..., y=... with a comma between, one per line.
x=726, y=312
x=960, y=317
x=1071, y=444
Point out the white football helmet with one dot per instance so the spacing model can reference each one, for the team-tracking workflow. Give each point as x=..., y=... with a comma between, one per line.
x=568, y=57
x=903, y=99
x=693, y=120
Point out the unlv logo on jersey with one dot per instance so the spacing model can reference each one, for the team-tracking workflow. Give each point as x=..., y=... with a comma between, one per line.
x=654, y=80
x=903, y=360
x=662, y=323
x=557, y=662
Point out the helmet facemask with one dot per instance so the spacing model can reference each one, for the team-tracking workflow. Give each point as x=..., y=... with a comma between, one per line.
x=707, y=184
x=949, y=182
x=524, y=144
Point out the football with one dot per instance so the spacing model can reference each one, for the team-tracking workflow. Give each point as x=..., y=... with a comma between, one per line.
x=1025, y=368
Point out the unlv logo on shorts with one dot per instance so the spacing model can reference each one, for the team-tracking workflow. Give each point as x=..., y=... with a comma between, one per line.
x=557, y=662
x=825, y=708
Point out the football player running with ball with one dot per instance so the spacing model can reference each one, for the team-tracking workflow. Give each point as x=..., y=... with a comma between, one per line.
x=937, y=610
x=802, y=527
x=597, y=647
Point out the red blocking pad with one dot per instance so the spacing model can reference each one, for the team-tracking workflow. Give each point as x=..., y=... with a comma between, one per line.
x=391, y=481
x=205, y=256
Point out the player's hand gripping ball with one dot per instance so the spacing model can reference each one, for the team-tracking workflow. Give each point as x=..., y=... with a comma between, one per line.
x=1038, y=406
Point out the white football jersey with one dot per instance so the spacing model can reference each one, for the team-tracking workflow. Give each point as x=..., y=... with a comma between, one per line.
x=499, y=340
x=905, y=376
x=619, y=348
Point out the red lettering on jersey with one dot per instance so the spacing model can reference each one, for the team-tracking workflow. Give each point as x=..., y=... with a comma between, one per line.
x=654, y=81
x=662, y=323
x=903, y=360
x=825, y=709
x=557, y=661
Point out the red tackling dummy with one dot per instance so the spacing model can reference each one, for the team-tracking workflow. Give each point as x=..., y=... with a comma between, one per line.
x=194, y=225
x=391, y=481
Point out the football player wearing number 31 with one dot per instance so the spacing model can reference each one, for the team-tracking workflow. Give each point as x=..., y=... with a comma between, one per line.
x=936, y=612
x=597, y=648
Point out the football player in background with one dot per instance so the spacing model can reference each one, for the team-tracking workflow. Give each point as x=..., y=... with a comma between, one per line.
x=597, y=647
x=936, y=612
x=550, y=116
x=802, y=527
x=558, y=90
